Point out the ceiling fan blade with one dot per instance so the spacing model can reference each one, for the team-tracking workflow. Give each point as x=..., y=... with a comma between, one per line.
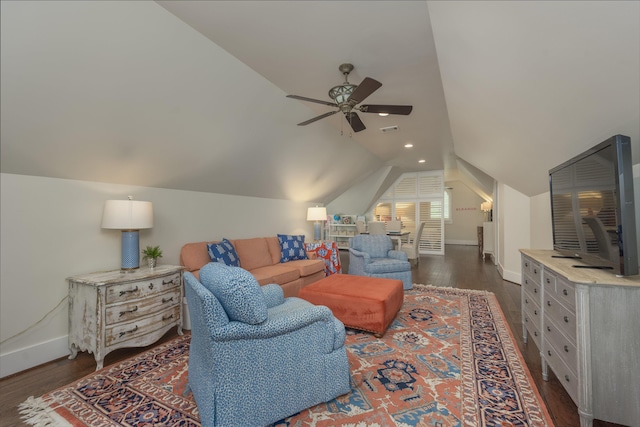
x=317, y=101
x=355, y=122
x=315, y=119
x=364, y=89
x=389, y=109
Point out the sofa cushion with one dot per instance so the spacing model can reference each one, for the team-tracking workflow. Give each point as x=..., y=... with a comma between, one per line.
x=194, y=255
x=274, y=249
x=223, y=252
x=279, y=273
x=307, y=267
x=253, y=253
x=292, y=247
x=237, y=290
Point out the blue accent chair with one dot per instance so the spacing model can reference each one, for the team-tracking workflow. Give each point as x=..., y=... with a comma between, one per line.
x=373, y=255
x=257, y=357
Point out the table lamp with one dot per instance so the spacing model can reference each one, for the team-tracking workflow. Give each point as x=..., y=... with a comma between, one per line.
x=130, y=216
x=317, y=214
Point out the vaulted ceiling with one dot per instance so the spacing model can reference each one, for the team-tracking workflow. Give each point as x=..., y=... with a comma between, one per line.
x=191, y=94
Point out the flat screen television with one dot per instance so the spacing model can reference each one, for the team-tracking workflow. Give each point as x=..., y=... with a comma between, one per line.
x=592, y=208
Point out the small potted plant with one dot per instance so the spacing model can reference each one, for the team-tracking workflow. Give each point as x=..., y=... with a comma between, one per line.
x=151, y=254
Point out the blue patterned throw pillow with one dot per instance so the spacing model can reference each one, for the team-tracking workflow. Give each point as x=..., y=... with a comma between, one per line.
x=223, y=252
x=291, y=247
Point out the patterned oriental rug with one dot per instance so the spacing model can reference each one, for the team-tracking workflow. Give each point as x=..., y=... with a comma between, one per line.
x=448, y=359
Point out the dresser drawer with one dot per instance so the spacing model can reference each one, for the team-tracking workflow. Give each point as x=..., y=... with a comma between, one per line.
x=561, y=316
x=533, y=268
x=566, y=292
x=532, y=326
x=533, y=312
x=134, y=309
x=122, y=332
x=564, y=347
x=141, y=289
x=565, y=375
x=549, y=280
x=532, y=287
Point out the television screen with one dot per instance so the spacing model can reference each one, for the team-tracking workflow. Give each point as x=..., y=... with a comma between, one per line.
x=593, y=208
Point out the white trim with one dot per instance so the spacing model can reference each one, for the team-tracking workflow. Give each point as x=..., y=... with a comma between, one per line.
x=37, y=354
x=511, y=276
x=461, y=242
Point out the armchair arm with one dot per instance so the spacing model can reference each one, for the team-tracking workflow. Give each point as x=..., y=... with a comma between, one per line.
x=400, y=255
x=357, y=261
x=366, y=258
x=273, y=295
x=279, y=324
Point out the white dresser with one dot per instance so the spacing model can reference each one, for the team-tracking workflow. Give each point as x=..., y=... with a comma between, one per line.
x=114, y=309
x=586, y=324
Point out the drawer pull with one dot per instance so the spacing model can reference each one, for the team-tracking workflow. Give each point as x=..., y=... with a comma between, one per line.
x=566, y=378
x=548, y=329
x=526, y=301
x=167, y=317
x=565, y=293
x=526, y=281
x=535, y=312
x=170, y=282
x=122, y=313
x=123, y=333
x=526, y=264
x=164, y=301
x=566, y=349
x=548, y=281
x=566, y=319
x=150, y=285
x=535, y=333
x=535, y=290
x=535, y=271
x=129, y=291
x=548, y=303
x=549, y=352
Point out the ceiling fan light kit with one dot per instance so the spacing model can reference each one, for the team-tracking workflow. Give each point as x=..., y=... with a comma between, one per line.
x=346, y=98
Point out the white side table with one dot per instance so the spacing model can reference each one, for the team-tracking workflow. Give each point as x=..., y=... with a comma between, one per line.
x=114, y=309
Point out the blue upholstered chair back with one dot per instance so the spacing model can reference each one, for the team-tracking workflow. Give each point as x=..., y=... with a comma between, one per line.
x=377, y=246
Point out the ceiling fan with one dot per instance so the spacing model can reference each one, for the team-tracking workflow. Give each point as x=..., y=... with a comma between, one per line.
x=346, y=98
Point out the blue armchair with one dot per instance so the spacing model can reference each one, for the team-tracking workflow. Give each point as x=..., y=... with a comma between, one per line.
x=256, y=357
x=373, y=255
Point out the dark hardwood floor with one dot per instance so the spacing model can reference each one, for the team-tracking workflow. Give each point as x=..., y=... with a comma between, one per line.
x=461, y=267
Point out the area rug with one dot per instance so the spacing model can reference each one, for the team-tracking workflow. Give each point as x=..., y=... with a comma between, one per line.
x=448, y=359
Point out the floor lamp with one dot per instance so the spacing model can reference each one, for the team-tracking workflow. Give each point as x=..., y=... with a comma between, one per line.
x=130, y=216
x=317, y=214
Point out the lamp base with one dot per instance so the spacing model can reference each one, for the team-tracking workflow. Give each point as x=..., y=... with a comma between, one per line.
x=130, y=250
x=317, y=231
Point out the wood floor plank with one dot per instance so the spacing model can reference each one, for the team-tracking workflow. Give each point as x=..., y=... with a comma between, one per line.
x=461, y=267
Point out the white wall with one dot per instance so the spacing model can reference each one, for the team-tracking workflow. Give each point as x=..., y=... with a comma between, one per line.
x=51, y=230
x=514, y=225
x=465, y=214
x=541, y=230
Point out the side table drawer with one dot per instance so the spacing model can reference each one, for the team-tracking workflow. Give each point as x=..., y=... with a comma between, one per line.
x=126, y=331
x=129, y=310
x=142, y=288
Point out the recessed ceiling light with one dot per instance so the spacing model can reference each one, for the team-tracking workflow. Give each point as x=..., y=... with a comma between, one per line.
x=421, y=161
x=409, y=145
x=383, y=114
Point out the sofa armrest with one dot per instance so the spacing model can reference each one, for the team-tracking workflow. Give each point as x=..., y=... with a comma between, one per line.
x=365, y=256
x=273, y=295
x=400, y=255
x=275, y=325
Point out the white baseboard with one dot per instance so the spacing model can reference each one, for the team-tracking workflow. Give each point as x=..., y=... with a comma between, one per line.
x=461, y=242
x=511, y=276
x=37, y=354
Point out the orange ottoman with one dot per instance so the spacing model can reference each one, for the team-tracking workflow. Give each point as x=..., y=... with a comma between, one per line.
x=366, y=303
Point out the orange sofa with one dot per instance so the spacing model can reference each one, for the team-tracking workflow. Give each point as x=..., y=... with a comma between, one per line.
x=261, y=257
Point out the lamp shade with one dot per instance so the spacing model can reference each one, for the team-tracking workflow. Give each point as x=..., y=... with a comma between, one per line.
x=317, y=214
x=127, y=215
